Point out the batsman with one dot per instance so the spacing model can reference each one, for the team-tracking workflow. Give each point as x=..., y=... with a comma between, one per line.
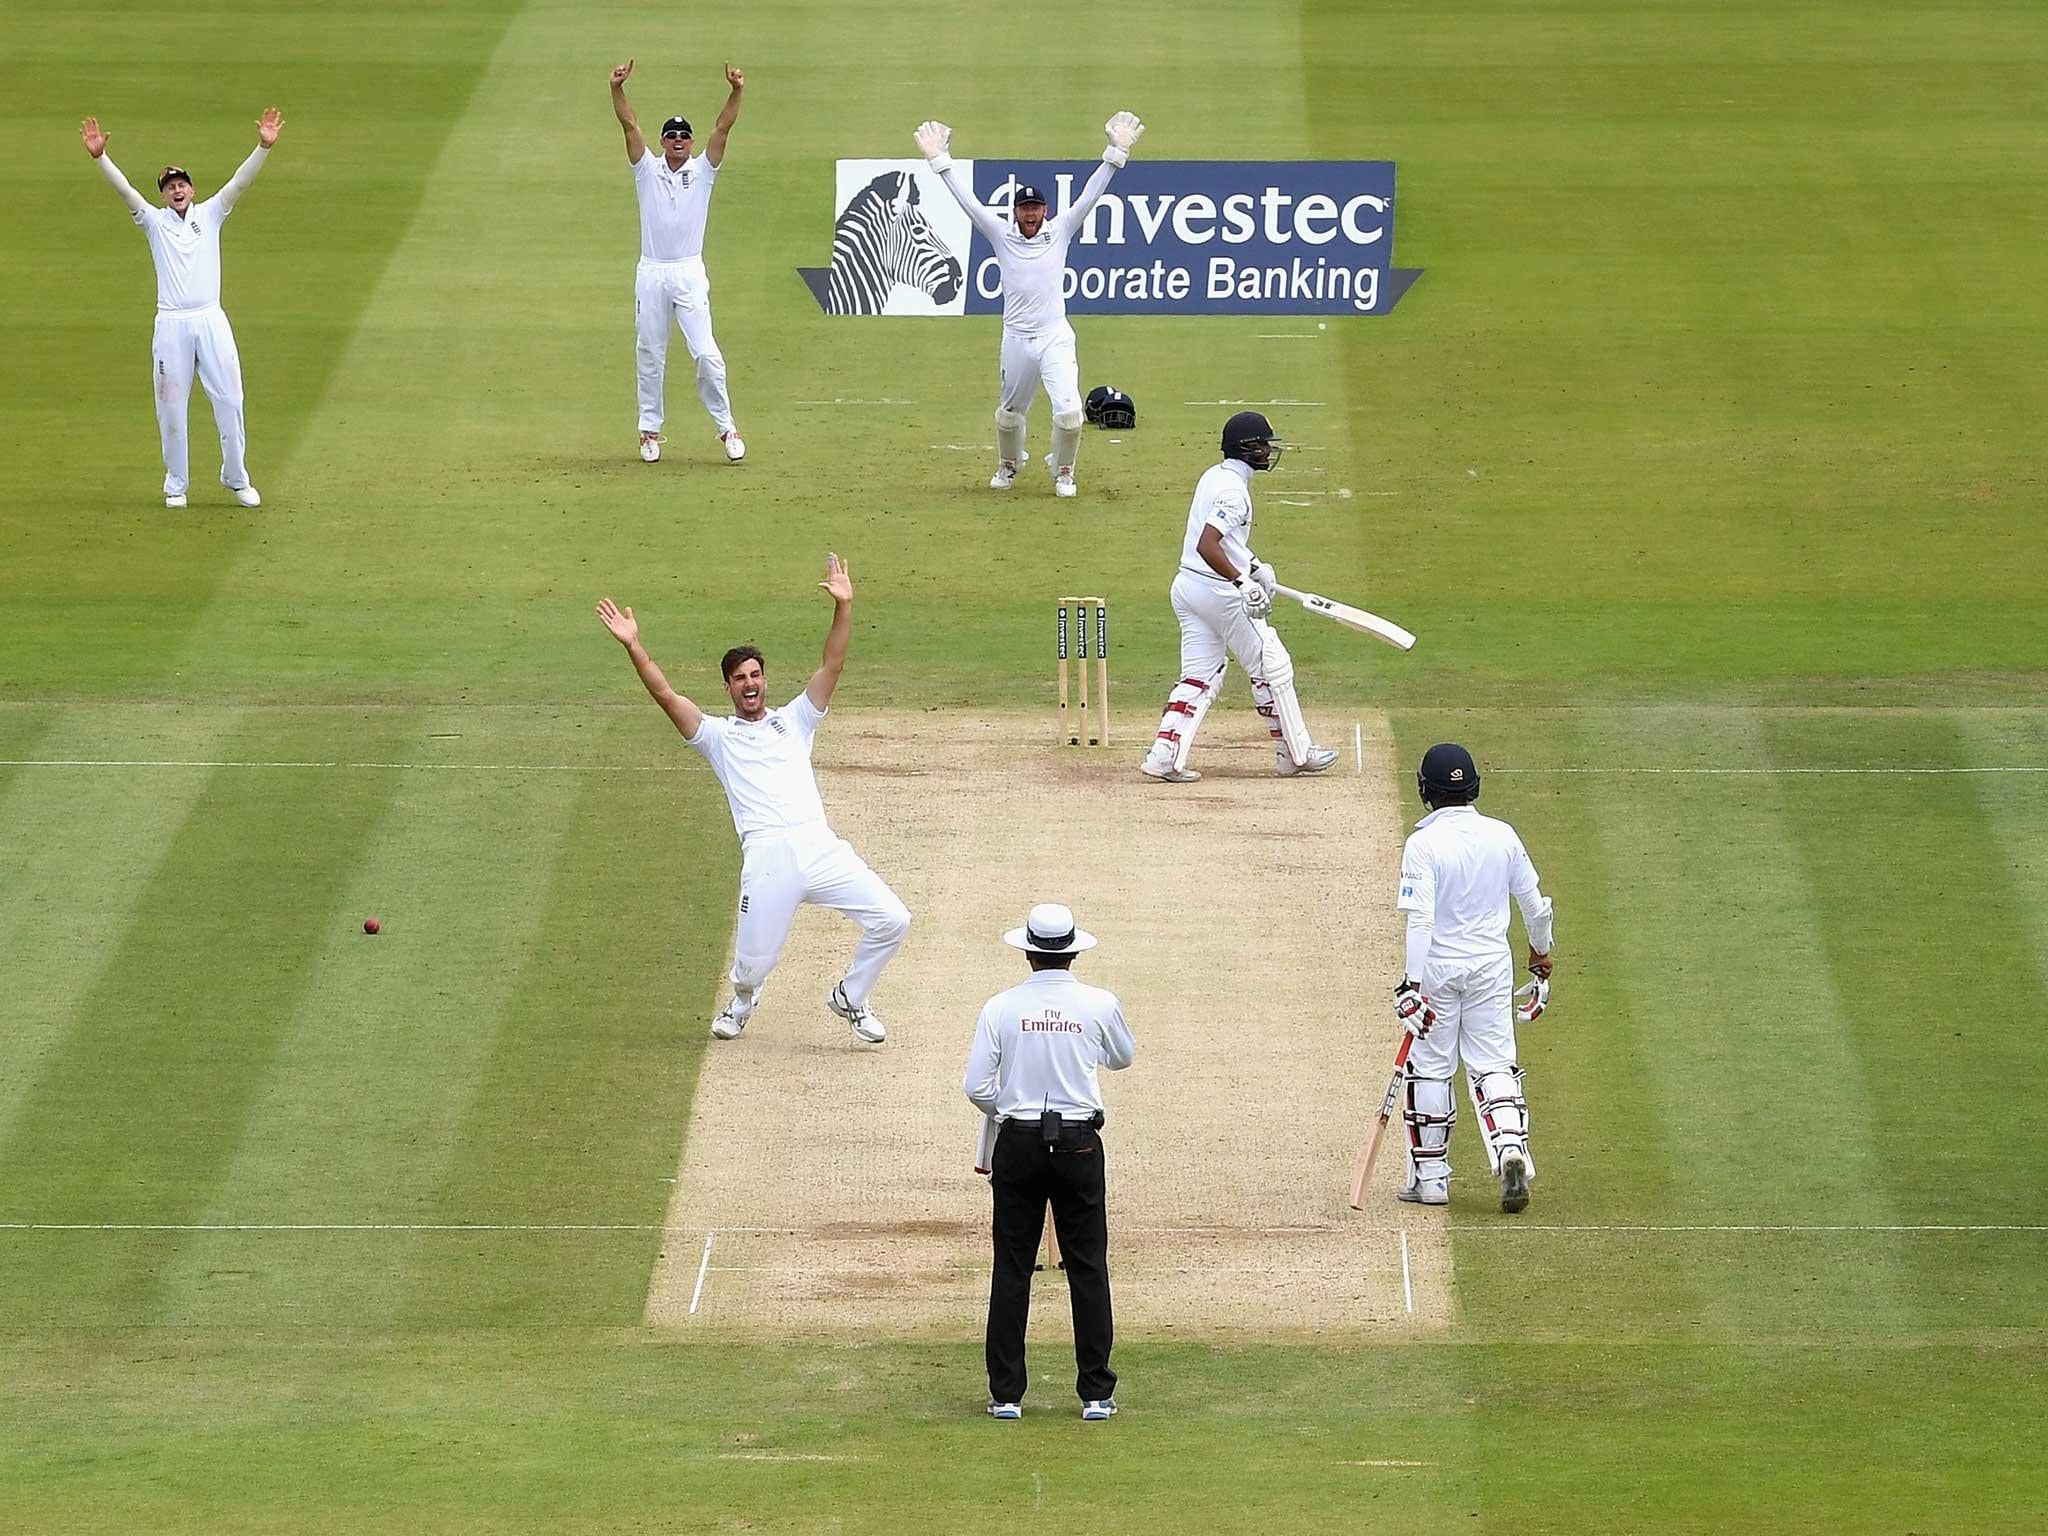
x=1456, y=995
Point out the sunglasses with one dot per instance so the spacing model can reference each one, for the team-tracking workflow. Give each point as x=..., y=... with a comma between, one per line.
x=675, y=135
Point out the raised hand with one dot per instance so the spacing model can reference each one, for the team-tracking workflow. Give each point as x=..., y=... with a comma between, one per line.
x=95, y=139
x=1124, y=130
x=624, y=627
x=934, y=139
x=838, y=580
x=621, y=73
x=268, y=125
x=736, y=78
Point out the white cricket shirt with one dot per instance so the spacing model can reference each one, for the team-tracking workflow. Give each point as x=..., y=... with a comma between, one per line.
x=1034, y=271
x=187, y=250
x=673, y=206
x=764, y=766
x=1038, y=1045
x=1223, y=501
x=1457, y=871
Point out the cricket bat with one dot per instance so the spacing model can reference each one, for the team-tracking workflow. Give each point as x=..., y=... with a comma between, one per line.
x=1352, y=618
x=1369, y=1152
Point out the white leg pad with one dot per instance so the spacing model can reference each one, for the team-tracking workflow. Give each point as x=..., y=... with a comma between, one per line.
x=1066, y=440
x=1010, y=436
x=1273, y=695
x=1430, y=1110
x=1503, y=1115
x=1185, y=707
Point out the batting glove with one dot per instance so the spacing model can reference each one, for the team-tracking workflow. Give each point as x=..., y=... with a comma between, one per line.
x=1411, y=1009
x=1267, y=578
x=935, y=143
x=1123, y=130
x=1531, y=999
x=1258, y=602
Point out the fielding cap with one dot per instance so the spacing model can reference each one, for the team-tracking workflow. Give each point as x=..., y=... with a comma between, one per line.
x=171, y=173
x=679, y=125
x=1448, y=776
x=1027, y=194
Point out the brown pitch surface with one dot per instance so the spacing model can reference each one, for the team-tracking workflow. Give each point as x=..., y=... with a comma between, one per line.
x=1247, y=924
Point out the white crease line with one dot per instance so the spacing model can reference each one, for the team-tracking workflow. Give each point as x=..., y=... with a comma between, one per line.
x=1284, y=336
x=703, y=1268
x=1386, y=1463
x=1477, y=1230
x=1407, y=1285
x=1358, y=743
x=1255, y=402
x=786, y=1456
x=1283, y=501
x=1760, y=772
x=885, y=400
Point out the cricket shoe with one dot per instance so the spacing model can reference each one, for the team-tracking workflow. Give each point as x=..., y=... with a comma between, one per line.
x=1167, y=773
x=1319, y=758
x=1095, y=1410
x=867, y=1024
x=1006, y=1410
x=735, y=447
x=1425, y=1192
x=732, y=1018
x=650, y=448
x=175, y=503
x=1514, y=1183
x=1004, y=477
x=248, y=496
x=1062, y=478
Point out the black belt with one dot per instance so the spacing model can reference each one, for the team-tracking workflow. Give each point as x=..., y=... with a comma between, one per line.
x=1094, y=1122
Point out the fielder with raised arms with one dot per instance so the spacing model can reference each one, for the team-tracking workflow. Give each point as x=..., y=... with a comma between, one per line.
x=674, y=189
x=192, y=331
x=1222, y=595
x=1456, y=993
x=1038, y=343
x=788, y=854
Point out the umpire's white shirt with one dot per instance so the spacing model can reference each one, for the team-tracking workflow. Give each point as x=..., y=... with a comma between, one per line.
x=1037, y=1047
x=1223, y=501
x=765, y=767
x=673, y=206
x=1457, y=871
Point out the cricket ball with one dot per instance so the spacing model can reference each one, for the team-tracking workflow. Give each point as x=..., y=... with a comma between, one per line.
x=371, y=925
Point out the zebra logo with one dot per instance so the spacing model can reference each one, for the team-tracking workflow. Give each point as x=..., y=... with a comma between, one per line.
x=882, y=240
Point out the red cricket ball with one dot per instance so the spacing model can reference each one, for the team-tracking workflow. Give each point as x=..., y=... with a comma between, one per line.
x=371, y=925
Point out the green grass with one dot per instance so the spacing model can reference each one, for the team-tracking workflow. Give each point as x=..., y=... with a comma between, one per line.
x=1712, y=438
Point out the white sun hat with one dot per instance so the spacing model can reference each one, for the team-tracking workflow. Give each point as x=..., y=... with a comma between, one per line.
x=1050, y=929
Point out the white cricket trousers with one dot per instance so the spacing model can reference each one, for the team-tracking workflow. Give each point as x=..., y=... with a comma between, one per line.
x=1213, y=628
x=681, y=289
x=1474, y=1002
x=186, y=339
x=779, y=871
x=1047, y=359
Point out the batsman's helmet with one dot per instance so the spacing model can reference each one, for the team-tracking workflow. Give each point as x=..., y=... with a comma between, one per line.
x=1249, y=436
x=1448, y=776
x=1108, y=406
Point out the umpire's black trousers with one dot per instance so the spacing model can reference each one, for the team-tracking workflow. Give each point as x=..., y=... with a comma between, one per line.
x=1025, y=1174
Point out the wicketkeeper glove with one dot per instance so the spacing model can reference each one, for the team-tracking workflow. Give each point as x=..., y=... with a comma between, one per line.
x=1411, y=1009
x=1123, y=130
x=1531, y=999
x=935, y=143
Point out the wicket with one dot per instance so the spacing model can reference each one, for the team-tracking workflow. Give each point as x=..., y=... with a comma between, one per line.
x=1074, y=728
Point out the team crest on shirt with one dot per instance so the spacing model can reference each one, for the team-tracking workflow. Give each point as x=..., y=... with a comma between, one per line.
x=775, y=723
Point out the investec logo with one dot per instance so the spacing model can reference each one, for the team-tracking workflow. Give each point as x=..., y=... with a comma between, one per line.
x=1169, y=237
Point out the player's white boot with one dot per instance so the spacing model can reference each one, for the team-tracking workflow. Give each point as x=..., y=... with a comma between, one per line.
x=175, y=503
x=650, y=447
x=1514, y=1183
x=732, y=1018
x=1319, y=758
x=1163, y=772
x=248, y=497
x=1062, y=478
x=1425, y=1191
x=735, y=447
x=1004, y=477
x=867, y=1024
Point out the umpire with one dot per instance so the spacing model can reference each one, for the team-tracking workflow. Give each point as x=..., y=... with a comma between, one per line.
x=1032, y=1072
